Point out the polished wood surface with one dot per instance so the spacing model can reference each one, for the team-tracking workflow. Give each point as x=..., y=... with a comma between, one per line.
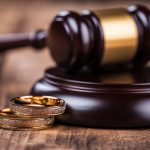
x=19, y=69
x=110, y=99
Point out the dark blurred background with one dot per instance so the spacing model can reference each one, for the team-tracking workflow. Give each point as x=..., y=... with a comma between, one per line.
x=20, y=68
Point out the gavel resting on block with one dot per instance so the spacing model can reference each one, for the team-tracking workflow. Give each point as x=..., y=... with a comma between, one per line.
x=96, y=38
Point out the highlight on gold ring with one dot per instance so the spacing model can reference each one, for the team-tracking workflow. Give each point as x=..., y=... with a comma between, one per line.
x=41, y=106
x=11, y=121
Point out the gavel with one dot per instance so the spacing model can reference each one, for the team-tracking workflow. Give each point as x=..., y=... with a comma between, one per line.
x=98, y=38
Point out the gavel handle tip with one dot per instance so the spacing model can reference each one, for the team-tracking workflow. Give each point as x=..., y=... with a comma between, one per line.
x=36, y=39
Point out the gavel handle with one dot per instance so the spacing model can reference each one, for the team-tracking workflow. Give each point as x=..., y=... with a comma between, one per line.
x=36, y=39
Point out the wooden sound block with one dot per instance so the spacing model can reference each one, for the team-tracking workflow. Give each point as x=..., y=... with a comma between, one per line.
x=104, y=99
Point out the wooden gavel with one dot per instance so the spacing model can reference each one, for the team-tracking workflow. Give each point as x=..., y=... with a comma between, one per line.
x=92, y=38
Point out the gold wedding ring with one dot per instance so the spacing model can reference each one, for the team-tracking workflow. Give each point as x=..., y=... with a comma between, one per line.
x=38, y=106
x=9, y=120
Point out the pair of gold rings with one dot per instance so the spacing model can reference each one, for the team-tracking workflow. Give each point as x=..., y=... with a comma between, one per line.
x=31, y=112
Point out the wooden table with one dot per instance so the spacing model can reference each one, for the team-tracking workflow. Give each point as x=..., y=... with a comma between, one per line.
x=20, y=68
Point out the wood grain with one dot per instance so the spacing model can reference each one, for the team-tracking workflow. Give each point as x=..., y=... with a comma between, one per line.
x=20, y=68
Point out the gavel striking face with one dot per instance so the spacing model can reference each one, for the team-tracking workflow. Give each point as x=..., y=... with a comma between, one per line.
x=100, y=38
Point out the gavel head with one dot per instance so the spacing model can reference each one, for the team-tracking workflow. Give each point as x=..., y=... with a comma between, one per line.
x=101, y=38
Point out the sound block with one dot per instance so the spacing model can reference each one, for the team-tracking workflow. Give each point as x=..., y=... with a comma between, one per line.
x=103, y=99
